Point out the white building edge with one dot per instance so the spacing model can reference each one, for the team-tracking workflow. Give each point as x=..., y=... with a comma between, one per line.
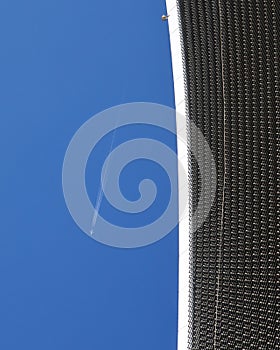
x=181, y=105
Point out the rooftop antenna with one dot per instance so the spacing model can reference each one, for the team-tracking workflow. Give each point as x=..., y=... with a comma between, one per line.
x=164, y=17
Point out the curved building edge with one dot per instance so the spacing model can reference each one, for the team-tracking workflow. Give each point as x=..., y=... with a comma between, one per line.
x=182, y=128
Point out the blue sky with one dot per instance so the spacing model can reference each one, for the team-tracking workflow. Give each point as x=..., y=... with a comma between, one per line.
x=61, y=62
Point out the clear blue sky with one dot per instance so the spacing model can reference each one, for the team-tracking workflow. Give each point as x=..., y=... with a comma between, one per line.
x=61, y=62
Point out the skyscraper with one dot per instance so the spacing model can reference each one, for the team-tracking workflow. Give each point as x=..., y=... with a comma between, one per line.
x=226, y=70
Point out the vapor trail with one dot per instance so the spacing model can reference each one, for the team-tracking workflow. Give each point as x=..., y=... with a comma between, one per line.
x=100, y=191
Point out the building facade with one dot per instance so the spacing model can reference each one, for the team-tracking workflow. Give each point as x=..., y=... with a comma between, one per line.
x=226, y=70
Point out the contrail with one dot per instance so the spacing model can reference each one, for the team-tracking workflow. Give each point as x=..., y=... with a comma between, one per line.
x=100, y=191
